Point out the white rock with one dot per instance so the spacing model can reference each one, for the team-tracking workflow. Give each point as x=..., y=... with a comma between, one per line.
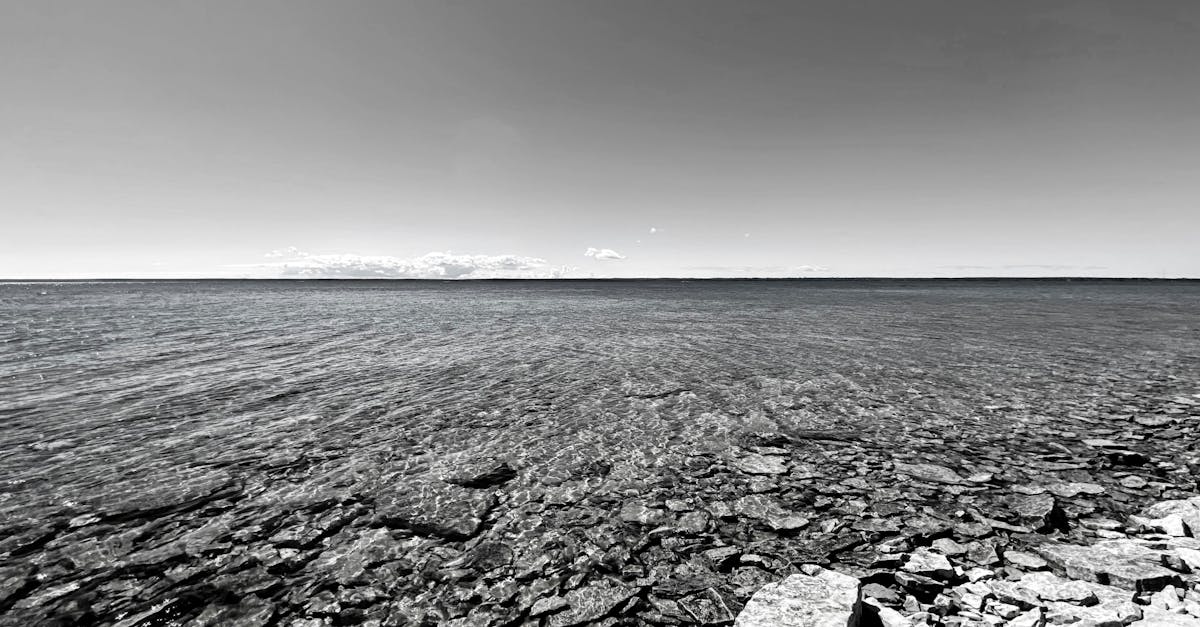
x=1032, y=618
x=826, y=599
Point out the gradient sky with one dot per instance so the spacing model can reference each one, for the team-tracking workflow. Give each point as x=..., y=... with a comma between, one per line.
x=951, y=138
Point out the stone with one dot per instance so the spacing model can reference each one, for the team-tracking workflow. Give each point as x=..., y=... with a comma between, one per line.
x=547, y=606
x=876, y=614
x=1188, y=511
x=1155, y=617
x=1120, y=563
x=756, y=464
x=438, y=509
x=1032, y=618
x=1051, y=587
x=931, y=473
x=946, y=546
x=591, y=603
x=1171, y=524
x=824, y=599
x=1023, y=560
x=1133, y=482
x=487, y=474
x=882, y=593
x=1105, y=614
x=770, y=511
x=929, y=564
x=1166, y=599
x=635, y=512
x=1039, y=511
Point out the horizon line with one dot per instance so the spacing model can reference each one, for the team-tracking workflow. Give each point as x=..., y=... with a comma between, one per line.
x=548, y=279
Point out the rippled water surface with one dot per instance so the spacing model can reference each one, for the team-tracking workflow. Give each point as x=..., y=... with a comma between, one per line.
x=124, y=399
x=108, y=381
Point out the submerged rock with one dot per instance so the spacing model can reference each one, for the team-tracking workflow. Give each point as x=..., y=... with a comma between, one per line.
x=931, y=473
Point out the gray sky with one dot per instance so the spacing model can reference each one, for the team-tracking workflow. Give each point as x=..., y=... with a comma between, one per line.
x=916, y=138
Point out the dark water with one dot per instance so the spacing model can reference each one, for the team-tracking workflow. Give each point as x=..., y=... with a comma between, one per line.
x=108, y=381
x=160, y=432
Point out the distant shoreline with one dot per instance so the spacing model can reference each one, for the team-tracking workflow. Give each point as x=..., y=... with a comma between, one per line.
x=626, y=280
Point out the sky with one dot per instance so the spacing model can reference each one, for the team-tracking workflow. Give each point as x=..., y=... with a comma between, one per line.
x=606, y=138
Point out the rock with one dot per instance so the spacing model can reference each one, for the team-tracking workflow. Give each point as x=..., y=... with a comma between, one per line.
x=1166, y=599
x=1188, y=511
x=591, y=603
x=487, y=474
x=1155, y=617
x=1032, y=618
x=824, y=599
x=1039, y=511
x=1171, y=524
x=876, y=614
x=444, y=510
x=946, y=546
x=883, y=593
x=1050, y=587
x=635, y=512
x=919, y=585
x=1023, y=560
x=931, y=473
x=756, y=464
x=1104, y=614
x=547, y=605
x=1120, y=563
x=929, y=564
x=770, y=511
x=1133, y=482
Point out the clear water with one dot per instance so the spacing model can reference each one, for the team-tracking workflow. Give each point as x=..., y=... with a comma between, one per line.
x=115, y=388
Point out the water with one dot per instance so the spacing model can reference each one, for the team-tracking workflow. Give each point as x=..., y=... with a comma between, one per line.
x=124, y=400
x=104, y=381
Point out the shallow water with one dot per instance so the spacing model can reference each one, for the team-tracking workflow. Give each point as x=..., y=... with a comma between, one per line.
x=106, y=381
x=130, y=405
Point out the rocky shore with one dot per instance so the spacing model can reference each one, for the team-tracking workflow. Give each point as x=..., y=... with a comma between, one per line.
x=1083, y=513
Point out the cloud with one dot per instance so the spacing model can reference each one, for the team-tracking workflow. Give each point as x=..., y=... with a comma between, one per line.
x=653, y=230
x=290, y=252
x=1027, y=266
x=774, y=272
x=434, y=265
x=603, y=254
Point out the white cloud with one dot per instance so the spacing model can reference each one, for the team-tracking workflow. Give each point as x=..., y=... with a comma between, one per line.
x=807, y=268
x=603, y=254
x=435, y=265
x=653, y=230
x=289, y=252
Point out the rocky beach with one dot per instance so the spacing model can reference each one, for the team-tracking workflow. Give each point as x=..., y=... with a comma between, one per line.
x=651, y=454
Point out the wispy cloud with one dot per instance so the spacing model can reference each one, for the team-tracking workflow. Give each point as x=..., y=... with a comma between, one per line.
x=434, y=265
x=759, y=271
x=1026, y=266
x=603, y=254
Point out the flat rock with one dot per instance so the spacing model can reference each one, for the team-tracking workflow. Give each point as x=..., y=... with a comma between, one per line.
x=756, y=464
x=438, y=509
x=1039, y=511
x=1121, y=563
x=1051, y=587
x=591, y=603
x=770, y=511
x=930, y=564
x=823, y=599
x=931, y=473
x=1023, y=560
x=1188, y=511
